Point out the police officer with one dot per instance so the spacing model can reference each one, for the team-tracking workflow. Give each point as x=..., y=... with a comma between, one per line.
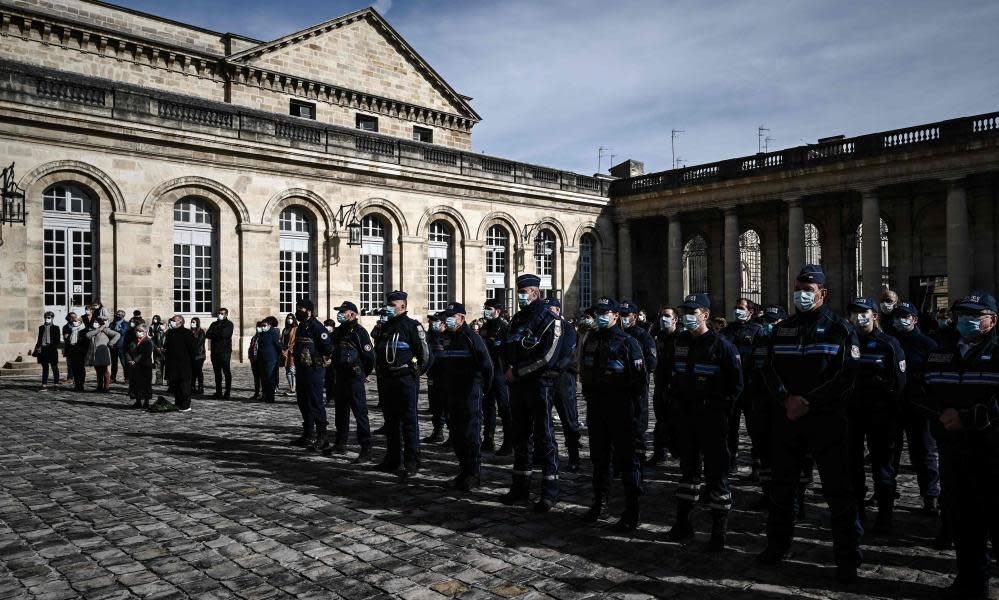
x=873, y=410
x=401, y=356
x=313, y=346
x=962, y=381
x=707, y=380
x=353, y=360
x=665, y=330
x=631, y=325
x=760, y=401
x=744, y=334
x=810, y=376
x=913, y=421
x=436, y=382
x=497, y=400
x=466, y=366
x=615, y=385
x=531, y=354
x=565, y=387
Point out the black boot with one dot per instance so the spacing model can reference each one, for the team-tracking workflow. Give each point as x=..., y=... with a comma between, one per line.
x=145, y=403
x=658, y=457
x=519, y=492
x=682, y=530
x=488, y=445
x=302, y=440
x=629, y=518
x=436, y=437
x=800, y=502
x=320, y=443
x=930, y=507
x=596, y=509
x=573, y=465
x=883, y=522
x=754, y=474
x=137, y=403
x=719, y=527
x=363, y=455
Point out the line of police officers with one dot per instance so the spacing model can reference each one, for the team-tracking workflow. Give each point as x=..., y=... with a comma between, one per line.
x=815, y=389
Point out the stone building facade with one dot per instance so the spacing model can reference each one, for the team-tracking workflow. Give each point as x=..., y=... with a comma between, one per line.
x=172, y=169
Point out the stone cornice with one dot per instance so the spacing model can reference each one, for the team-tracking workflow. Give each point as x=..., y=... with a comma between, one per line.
x=120, y=217
x=254, y=228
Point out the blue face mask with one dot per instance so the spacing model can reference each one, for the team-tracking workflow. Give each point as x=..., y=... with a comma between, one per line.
x=341, y=318
x=691, y=322
x=487, y=314
x=804, y=301
x=943, y=323
x=451, y=323
x=603, y=321
x=389, y=311
x=903, y=324
x=626, y=321
x=768, y=328
x=522, y=300
x=741, y=314
x=666, y=322
x=969, y=326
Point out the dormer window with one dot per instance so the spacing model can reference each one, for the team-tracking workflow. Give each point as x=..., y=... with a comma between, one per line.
x=303, y=110
x=367, y=123
x=422, y=134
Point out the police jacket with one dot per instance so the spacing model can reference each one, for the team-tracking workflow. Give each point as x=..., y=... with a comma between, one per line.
x=746, y=337
x=613, y=364
x=464, y=359
x=402, y=348
x=917, y=347
x=808, y=356
x=352, y=349
x=269, y=347
x=706, y=370
x=968, y=384
x=534, y=345
x=565, y=361
x=755, y=387
x=880, y=371
x=220, y=335
x=494, y=333
x=312, y=344
x=665, y=355
x=648, y=345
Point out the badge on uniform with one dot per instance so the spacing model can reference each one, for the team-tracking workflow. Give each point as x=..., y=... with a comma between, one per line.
x=325, y=336
x=855, y=352
x=639, y=364
x=367, y=347
x=901, y=366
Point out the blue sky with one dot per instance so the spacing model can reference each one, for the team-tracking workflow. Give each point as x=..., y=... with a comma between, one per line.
x=555, y=79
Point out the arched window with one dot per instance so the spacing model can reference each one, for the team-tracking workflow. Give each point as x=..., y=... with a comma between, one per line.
x=544, y=260
x=750, y=262
x=69, y=224
x=813, y=245
x=439, y=266
x=295, y=257
x=194, y=233
x=586, y=246
x=885, y=282
x=497, y=258
x=695, y=266
x=374, y=249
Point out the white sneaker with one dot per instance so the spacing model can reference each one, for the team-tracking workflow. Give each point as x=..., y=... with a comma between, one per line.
x=185, y=410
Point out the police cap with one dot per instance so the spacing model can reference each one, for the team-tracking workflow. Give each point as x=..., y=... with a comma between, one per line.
x=528, y=280
x=977, y=301
x=695, y=301
x=812, y=274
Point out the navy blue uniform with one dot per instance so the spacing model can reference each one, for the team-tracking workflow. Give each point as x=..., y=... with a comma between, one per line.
x=873, y=413
x=436, y=385
x=312, y=347
x=809, y=356
x=401, y=356
x=497, y=400
x=707, y=380
x=759, y=402
x=353, y=360
x=651, y=356
x=531, y=354
x=969, y=457
x=662, y=434
x=268, y=354
x=466, y=366
x=615, y=383
x=565, y=392
x=913, y=421
x=745, y=336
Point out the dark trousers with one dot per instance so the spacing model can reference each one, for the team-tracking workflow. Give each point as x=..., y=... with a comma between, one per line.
x=464, y=411
x=702, y=430
x=268, y=376
x=612, y=438
x=662, y=434
x=402, y=426
x=181, y=393
x=55, y=372
x=969, y=471
x=824, y=435
x=437, y=401
x=198, y=373
x=923, y=455
x=69, y=367
x=496, y=402
x=567, y=408
x=220, y=364
x=759, y=421
x=349, y=397
x=255, y=370
x=309, y=393
x=114, y=362
x=876, y=427
x=126, y=370
x=743, y=407
x=79, y=373
x=531, y=410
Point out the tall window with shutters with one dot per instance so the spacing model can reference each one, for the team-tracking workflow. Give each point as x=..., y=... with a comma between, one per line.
x=295, y=258
x=194, y=240
x=374, y=266
x=439, y=266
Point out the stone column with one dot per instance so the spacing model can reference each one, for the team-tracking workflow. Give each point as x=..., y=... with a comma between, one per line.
x=730, y=255
x=958, y=246
x=473, y=271
x=257, y=294
x=623, y=261
x=870, y=211
x=795, y=245
x=412, y=274
x=674, y=260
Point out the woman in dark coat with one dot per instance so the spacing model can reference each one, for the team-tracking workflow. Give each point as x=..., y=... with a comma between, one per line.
x=268, y=353
x=77, y=346
x=180, y=352
x=47, y=350
x=288, y=345
x=199, y=355
x=252, y=355
x=139, y=357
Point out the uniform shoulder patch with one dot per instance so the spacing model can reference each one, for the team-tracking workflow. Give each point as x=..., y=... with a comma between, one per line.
x=901, y=366
x=324, y=335
x=367, y=347
x=854, y=352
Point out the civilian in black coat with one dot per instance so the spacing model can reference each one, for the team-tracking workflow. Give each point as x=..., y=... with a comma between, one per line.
x=139, y=358
x=76, y=347
x=47, y=349
x=220, y=335
x=180, y=358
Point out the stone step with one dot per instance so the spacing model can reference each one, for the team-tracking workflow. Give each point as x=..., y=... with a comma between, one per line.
x=27, y=366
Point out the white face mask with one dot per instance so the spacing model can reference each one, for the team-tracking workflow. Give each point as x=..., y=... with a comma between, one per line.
x=219, y=317
x=48, y=320
x=691, y=322
x=887, y=307
x=260, y=329
x=95, y=324
x=741, y=314
x=626, y=322
x=523, y=300
x=329, y=328
x=173, y=324
x=861, y=321
x=140, y=334
x=804, y=301
x=265, y=328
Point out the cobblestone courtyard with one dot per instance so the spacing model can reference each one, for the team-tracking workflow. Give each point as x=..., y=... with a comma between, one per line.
x=101, y=501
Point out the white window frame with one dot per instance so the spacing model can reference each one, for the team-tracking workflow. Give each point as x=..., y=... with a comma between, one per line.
x=497, y=262
x=587, y=245
x=439, y=246
x=545, y=246
x=751, y=263
x=69, y=250
x=194, y=239
x=295, y=268
x=373, y=263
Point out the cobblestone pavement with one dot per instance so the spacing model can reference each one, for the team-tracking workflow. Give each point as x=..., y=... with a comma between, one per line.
x=101, y=501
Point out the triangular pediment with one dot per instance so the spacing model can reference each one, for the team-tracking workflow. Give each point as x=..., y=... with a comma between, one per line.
x=362, y=52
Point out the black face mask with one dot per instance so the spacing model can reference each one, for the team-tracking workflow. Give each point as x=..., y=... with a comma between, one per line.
x=302, y=315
